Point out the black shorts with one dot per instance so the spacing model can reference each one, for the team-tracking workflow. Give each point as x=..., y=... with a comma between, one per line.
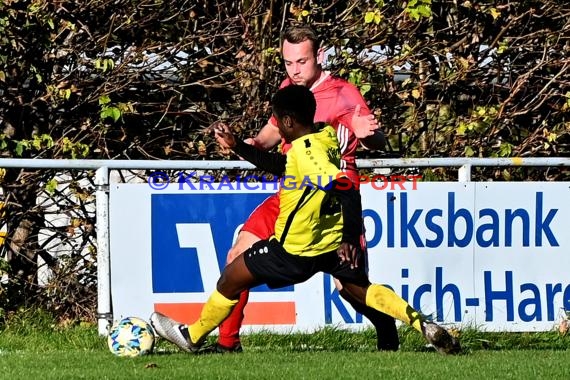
x=270, y=264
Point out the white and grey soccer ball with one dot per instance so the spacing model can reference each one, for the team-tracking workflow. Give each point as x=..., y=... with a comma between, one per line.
x=131, y=337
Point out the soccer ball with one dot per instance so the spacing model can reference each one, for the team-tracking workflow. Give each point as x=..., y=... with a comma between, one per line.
x=131, y=337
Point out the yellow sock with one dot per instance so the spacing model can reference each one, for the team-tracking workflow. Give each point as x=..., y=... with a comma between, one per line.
x=385, y=300
x=213, y=313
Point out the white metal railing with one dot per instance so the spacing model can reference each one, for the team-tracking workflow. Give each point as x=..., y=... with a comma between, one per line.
x=237, y=164
x=102, y=168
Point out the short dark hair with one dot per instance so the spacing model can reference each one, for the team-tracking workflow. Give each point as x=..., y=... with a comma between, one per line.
x=299, y=33
x=296, y=101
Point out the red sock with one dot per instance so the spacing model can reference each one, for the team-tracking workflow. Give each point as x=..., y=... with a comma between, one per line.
x=229, y=329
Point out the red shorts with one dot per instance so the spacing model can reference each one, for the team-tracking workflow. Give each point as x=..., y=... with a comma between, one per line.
x=261, y=221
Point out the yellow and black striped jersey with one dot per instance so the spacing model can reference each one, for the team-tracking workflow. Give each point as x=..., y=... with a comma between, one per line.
x=310, y=220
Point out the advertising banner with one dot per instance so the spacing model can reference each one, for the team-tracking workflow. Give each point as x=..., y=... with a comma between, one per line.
x=492, y=256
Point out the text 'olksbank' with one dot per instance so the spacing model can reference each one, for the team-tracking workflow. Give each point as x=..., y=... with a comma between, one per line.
x=455, y=226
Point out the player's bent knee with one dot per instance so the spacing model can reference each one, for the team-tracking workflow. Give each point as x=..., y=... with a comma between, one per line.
x=227, y=287
x=235, y=278
x=244, y=240
x=233, y=253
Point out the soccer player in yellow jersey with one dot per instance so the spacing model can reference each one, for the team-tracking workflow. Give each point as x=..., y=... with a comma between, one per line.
x=340, y=105
x=318, y=229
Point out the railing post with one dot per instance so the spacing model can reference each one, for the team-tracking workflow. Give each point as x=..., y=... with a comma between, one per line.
x=104, y=313
x=464, y=174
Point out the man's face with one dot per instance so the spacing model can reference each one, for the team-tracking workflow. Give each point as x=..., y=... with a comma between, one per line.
x=303, y=67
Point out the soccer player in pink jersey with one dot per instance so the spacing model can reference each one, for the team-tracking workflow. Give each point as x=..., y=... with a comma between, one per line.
x=340, y=105
x=312, y=233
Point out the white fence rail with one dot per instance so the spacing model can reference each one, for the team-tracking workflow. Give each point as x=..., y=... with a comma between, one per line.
x=102, y=168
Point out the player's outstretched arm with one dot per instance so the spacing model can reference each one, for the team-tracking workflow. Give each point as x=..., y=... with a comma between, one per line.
x=376, y=141
x=267, y=161
x=270, y=162
x=267, y=138
x=353, y=112
x=367, y=130
x=363, y=125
